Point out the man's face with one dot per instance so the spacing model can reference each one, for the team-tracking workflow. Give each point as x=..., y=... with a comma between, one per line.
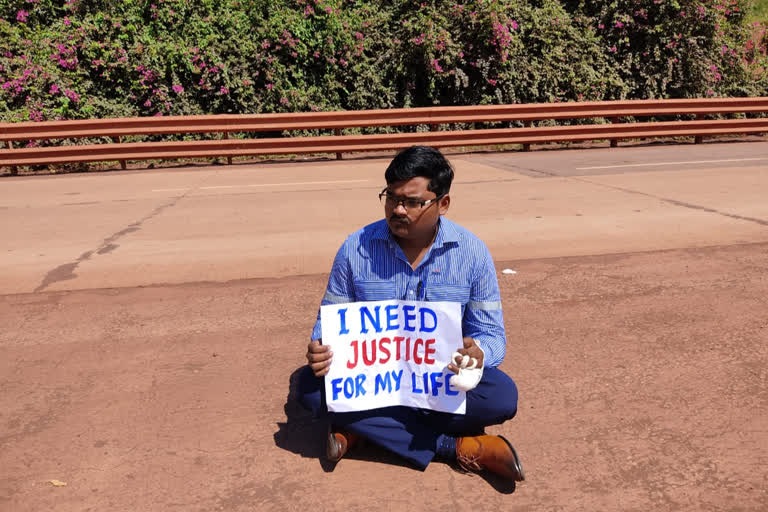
x=411, y=221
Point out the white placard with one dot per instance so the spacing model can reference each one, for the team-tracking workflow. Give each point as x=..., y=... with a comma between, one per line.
x=393, y=352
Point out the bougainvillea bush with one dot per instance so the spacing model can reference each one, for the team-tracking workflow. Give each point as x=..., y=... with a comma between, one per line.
x=66, y=59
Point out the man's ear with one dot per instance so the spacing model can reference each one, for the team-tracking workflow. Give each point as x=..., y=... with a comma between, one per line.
x=443, y=204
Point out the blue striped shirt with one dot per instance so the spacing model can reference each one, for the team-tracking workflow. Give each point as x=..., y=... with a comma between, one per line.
x=457, y=267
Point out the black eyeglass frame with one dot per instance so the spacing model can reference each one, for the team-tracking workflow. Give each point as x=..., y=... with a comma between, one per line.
x=415, y=202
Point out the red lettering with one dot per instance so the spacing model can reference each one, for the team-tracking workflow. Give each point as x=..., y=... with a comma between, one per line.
x=384, y=350
x=429, y=350
x=407, y=349
x=416, y=358
x=372, y=344
x=398, y=340
x=350, y=364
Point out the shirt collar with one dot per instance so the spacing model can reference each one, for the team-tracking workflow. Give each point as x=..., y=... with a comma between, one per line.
x=446, y=233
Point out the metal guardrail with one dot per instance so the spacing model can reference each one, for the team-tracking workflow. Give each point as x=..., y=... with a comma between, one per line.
x=336, y=121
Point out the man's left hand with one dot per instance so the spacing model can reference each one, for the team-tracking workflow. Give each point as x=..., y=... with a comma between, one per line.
x=470, y=349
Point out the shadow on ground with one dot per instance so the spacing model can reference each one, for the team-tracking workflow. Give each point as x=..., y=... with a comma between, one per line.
x=306, y=436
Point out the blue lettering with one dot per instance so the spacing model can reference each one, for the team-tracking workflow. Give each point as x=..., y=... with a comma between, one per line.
x=391, y=317
x=383, y=382
x=424, y=327
x=336, y=387
x=436, y=384
x=359, y=389
x=414, y=389
x=408, y=318
x=349, y=387
x=397, y=377
x=343, y=317
x=376, y=323
x=448, y=390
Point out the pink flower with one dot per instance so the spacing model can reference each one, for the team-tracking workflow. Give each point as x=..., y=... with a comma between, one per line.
x=270, y=87
x=492, y=81
x=148, y=103
x=514, y=25
x=283, y=101
x=54, y=89
x=223, y=90
x=436, y=65
x=72, y=95
x=67, y=22
x=22, y=16
x=177, y=89
x=619, y=24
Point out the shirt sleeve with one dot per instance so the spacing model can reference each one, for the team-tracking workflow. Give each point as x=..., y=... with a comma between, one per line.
x=340, y=287
x=483, y=318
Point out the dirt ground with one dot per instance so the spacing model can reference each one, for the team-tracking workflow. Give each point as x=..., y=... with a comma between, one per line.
x=643, y=384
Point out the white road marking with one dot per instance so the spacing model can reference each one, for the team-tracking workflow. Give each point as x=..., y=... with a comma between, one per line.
x=650, y=164
x=217, y=187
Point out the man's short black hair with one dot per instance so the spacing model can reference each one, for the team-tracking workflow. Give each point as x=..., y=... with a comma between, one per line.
x=421, y=161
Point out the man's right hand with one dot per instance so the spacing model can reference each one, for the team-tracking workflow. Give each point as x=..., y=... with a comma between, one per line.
x=319, y=357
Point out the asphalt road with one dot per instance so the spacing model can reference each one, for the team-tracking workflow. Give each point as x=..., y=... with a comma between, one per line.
x=250, y=221
x=151, y=323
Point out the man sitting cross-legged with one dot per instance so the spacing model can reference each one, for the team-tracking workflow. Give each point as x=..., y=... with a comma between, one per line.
x=415, y=253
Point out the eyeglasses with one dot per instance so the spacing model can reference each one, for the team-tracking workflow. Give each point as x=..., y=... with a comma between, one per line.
x=392, y=201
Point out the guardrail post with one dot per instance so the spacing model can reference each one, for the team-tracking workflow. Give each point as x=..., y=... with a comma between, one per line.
x=698, y=139
x=337, y=131
x=123, y=163
x=527, y=146
x=14, y=169
x=614, y=142
x=229, y=158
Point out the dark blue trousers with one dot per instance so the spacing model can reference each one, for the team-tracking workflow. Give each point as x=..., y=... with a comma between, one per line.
x=412, y=433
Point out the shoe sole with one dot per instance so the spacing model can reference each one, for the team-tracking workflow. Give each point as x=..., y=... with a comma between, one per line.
x=518, y=464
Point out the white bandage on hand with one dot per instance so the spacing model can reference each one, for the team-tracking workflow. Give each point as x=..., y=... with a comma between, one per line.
x=469, y=374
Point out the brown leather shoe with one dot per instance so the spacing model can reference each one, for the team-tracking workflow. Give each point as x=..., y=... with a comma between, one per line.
x=339, y=443
x=492, y=453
